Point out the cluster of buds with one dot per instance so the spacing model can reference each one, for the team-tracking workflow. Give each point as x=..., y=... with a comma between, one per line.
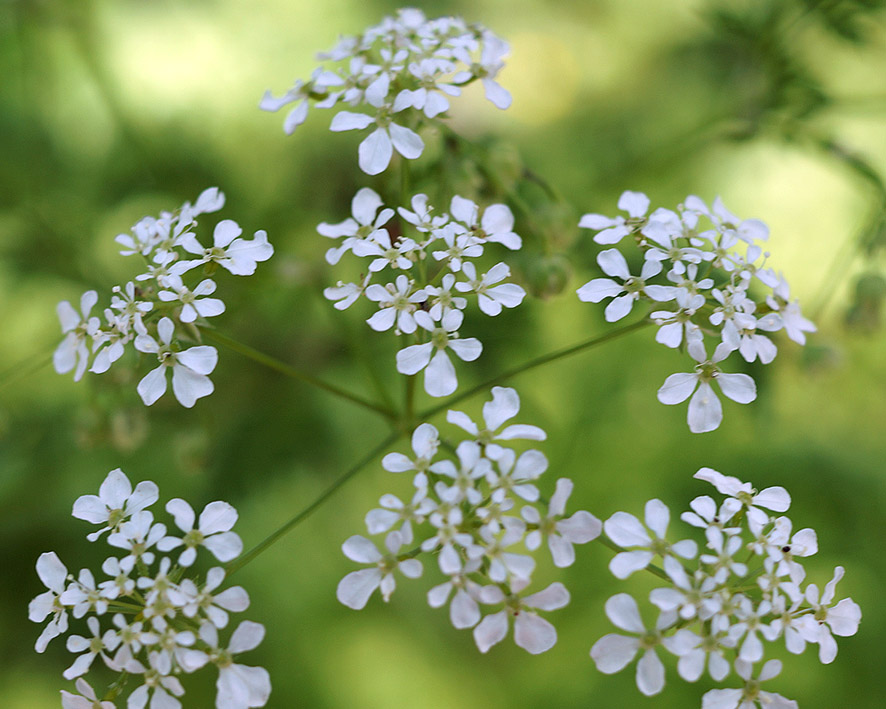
x=721, y=606
x=426, y=298
x=706, y=280
x=160, y=618
x=157, y=311
x=402, y=71
x=477, y=512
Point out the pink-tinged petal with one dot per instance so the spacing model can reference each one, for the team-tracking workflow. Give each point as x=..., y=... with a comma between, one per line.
x=613, y=264
x=612, y=652
x=347, y=120
x=581, y=528
x=467, y=349
x=844, y=618
x=534, y=634
x=552, y=598
x=625, y=563
x=596, y=221
x=247, y=636
x=596, y=290
x=355, y=589
x=677, y=388
x=374, y=153
x=225, y=232
x=361, y=550
x=52, y=571
x=491, y=630
x=463, y=421
x=182, y=513
x=650, y=674
x=217, y=517
x=776, y=499
x=115, y=489
x=188, y=386
x=463, y=612
x=626, y=530
x=406, y=142
x=721, y=699
x=153, y=385
x=738, y=387
x=619, y=307
x=225, y=546
x=705, y=411
x=622, y=610
x=634, y=203
x=440, y=379
x=657, y=516
x=412, y=359
x=499, y=96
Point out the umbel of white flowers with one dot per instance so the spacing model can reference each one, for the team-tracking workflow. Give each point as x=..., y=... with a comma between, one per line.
x=477, y=512
x=151, y=617
x=706, y=279
x=421, y=279
x=718, y=612
x=157, y=310
x=400, y=75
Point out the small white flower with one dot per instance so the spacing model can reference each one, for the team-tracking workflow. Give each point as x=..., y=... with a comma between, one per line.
x=213, y=531
x=189, y=368
x=86, y=700
x=52, y=573
x=376, y=150
x=614, y=229
x=504, y=406
x=91, y=648
x=355, y=589
x=137, y=536
x=626, y=293
x=828, y=620
x=79, y=329
x=531, y=632
x=705, y=411
x=561, y=533
x=425, y=442
x=115, y=503
x=751, y=696
x=235, y=254
x=772, y=498
x=194, y=302
x=397, y=302
x=490, y=297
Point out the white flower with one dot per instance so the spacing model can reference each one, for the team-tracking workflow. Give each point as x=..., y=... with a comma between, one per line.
x=772, y=498
x=841, y=619
x=165, y=688
x=614, y=264
x=490, y=297
x=397, y=303
x=355, y=589
x=364, y=224
x=115, y=503
x=751, y=696
x=494, y=50
x=90, y=647
x=440, y=378
x=627, y=531
x=561, y=534
x=425, y=442
x=52, y=573
x=235, y=254
x=346, y=294
x=614, y=229
x=463, y=610
x=189, y=368
x=705, y=411
x=531, y=632
x=504, y=406
x=87, y=700
x=193, y=302
x=213, y=531
x=375, y=151
x=138, y=535
x=238, y=686
x=614, y=652
x=213, y=606
x=78, y=328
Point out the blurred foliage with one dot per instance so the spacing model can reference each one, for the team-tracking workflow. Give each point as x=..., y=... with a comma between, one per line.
x=111, y=110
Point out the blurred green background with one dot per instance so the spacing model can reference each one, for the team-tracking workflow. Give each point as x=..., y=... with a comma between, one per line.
x=112, y=110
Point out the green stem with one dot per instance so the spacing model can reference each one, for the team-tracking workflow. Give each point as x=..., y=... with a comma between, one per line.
x=23, y=369
x=290, y=371
x=533, y=363
x=655, y=570
x=307, y=511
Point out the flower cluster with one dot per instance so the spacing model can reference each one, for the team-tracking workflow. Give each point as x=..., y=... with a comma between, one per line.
x=721, y=606
x=151, y=618
x=706, y=280
x=464, y=511
x=402, y=71
x=157, y=311
x=426, y=297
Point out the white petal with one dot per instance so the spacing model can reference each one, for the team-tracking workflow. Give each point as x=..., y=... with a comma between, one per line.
x=355, y=589
x=153, y=385
x=346, y=120
x=225, y=546
x=622, y=610
x=613, y=264
x=247, y=636
x=612, y=652
x=491, y=630
x=202, y=359
x=361, y=550
x=375, y=152
x=677, y=388
x=412, y=359
x=534, y=634
x=705, y=411
x=406, y=142
x=650, y=674
x=626, y=530
x=189, y=386
x=440, y=379
x=738, y=387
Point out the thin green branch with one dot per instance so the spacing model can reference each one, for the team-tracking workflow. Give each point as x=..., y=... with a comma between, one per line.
x=290, y=371
x=533, y=363
x=307, y=511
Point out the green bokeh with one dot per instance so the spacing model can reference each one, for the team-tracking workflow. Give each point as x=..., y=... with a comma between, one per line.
x=111, y=110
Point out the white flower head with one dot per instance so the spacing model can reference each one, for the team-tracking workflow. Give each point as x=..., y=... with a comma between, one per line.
x=115, y=503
